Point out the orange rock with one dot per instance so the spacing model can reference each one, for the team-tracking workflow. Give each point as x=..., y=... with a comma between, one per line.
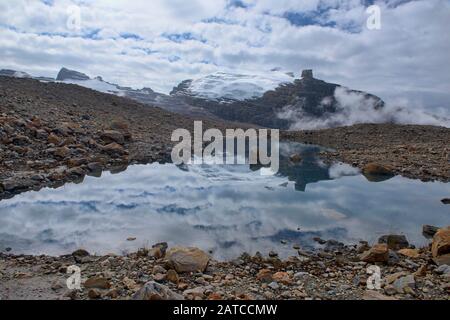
x=421, y=272
x=441, y=242
x=411, y=253
x=182, y=286
x=282, y=277
x=172, y=276
x=214, y=296
x=264, y=275
x=52, y=138
x=378, y=253
x=377, y=169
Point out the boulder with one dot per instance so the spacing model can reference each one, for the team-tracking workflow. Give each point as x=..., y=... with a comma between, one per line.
x=119, y=125
x=443, y=259
x=443, y=269
x=21, y=140
x=54, y=139
x=95, y=166
x=61, y=152
x=187, y=259
x=81, y=256
x=80, y=253
x=394, y=242
x=41, y=134
x=198, y=292
x=401, y=284
x=264, y=275
x=295, y=158
x=94, y=294
x=172, y=276
x=410, y=253
x=162, y=246
x=109, y=136
x=440, y=248
x=429, y=231
x=156, y=291
x=375, y=295
x=377, y=169
x=282, y=277
x=114, y=149
x=378, y=253
x=97, y=282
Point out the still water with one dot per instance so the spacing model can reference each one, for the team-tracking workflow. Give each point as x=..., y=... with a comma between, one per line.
x=223, y=209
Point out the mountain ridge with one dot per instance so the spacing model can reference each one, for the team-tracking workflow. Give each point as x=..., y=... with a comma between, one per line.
x=267, y=100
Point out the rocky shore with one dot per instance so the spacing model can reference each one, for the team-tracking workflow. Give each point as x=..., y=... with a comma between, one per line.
x=413, y=151
x=335, y=271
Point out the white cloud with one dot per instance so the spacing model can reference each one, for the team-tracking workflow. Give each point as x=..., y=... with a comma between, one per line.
x=406, y=59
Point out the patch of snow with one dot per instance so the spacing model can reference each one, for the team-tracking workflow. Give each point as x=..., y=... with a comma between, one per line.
x=221, y=85
x=96, y=84
x=20, y=74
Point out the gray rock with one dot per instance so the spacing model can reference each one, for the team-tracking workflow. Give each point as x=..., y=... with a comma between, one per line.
x=301, y=275
x=402, y=283
x=156, y=291
x=394, y=242
x=429, y=231
x=443, y=269
x=274, y=285
x=110, y=136
x=67, y=74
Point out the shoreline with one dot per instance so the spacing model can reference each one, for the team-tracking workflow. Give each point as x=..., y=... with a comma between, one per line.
x=332, y=272
x=412, y=151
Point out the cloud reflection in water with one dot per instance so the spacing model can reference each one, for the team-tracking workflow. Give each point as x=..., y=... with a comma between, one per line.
x=226, y=209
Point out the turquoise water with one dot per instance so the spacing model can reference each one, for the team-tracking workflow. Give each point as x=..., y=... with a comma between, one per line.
x=223, y=209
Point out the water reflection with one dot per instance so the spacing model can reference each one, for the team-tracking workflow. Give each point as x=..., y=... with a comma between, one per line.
x=225, y=209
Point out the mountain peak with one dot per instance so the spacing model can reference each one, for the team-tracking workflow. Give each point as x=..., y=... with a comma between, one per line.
x=307, y=74
x=67, y=74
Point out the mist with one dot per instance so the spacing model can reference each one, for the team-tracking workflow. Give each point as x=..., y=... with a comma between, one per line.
x=355, y=107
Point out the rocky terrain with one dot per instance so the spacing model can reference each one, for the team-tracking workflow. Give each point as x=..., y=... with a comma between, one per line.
x=51, y=133
x=412, y=151
x=334, y=272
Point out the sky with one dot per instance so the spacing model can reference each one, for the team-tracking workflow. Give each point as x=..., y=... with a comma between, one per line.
x=159, y=43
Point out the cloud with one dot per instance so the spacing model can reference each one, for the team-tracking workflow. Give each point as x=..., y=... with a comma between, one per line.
x=134, y=43
x=355, y=107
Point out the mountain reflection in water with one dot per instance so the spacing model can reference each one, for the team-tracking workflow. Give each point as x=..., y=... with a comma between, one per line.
x=224, y=209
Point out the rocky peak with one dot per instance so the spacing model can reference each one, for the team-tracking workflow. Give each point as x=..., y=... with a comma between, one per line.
x=67, y=74
x=307, y=74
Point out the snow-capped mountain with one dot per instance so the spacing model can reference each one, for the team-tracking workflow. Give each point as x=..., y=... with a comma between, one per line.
x=221, y=86
x=274, y=100
x=144, y=95
x=81, y=79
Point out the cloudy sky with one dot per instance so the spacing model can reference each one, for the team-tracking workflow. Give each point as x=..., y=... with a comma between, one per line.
x=158, y=43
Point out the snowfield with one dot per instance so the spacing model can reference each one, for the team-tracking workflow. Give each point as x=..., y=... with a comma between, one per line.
x=96, y=84
x=220, y=85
